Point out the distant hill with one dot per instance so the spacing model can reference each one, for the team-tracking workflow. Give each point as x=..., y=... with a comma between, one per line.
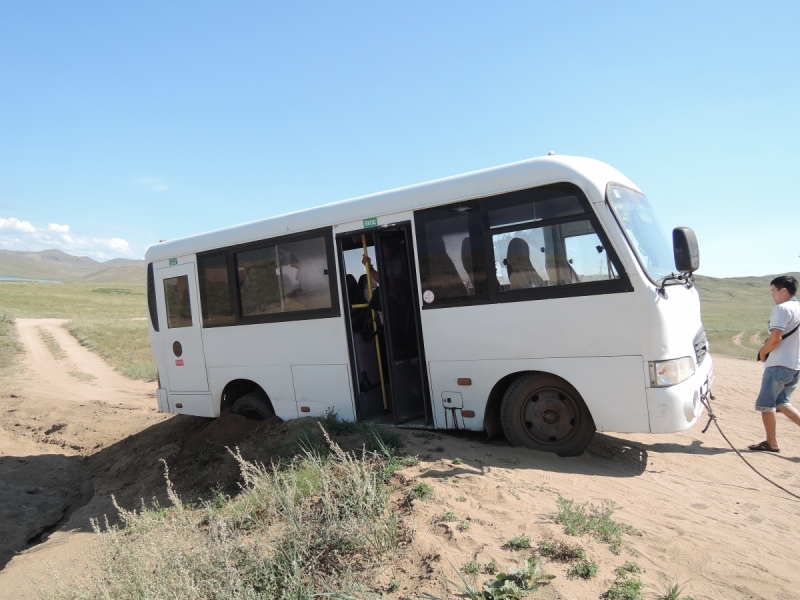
x=55, y=264
x=130, y=273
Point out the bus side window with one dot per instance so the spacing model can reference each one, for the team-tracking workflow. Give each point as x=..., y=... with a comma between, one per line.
x=451, y=258
x=215, y=293
x=179, y=308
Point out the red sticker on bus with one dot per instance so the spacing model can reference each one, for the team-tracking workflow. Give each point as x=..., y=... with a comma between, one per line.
x=179, y=362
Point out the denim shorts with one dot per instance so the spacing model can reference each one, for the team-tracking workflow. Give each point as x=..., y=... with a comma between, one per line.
x=777, y=386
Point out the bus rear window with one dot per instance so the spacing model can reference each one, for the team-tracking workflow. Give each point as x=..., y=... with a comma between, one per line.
x=215, y=293
x=179, y=308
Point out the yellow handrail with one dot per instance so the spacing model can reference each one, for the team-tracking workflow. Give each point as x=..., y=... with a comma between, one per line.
x=374, y=321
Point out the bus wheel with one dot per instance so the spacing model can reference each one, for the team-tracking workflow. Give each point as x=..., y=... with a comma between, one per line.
x=254, y=405
x=544, y=412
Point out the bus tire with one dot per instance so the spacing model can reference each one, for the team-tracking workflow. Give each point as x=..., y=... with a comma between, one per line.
x=254, y=405
x=544, y=412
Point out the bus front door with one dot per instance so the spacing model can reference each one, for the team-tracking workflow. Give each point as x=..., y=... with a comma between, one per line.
x=386, y=338
x=181, y=329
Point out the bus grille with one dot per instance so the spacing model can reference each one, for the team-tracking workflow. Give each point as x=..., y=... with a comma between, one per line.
x=700, y=346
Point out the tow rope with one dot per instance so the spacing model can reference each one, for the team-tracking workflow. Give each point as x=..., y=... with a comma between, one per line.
x=706, y=400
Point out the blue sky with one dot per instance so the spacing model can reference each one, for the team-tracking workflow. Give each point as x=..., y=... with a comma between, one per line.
x=125, y=123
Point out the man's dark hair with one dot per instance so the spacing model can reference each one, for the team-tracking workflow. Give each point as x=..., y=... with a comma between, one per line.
x=785, y=282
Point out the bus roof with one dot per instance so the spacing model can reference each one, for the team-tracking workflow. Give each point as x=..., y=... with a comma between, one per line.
x=589, y=174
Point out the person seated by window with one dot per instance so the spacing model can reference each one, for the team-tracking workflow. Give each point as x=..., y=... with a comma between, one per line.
x=521, y=274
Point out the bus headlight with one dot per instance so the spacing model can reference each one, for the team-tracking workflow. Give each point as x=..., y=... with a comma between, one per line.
x=664, y=373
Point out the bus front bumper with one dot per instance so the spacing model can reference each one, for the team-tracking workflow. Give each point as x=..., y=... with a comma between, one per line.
x=678, y=407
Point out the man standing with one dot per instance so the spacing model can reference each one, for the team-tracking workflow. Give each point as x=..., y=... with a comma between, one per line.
x=781, y=355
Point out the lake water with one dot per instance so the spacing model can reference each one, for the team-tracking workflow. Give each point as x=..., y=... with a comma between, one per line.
x=7, y=278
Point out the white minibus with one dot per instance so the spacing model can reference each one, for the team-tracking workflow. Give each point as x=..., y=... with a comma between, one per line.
x=540, y=299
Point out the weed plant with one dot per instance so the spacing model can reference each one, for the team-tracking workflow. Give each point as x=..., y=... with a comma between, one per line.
x=319, y=525
x=671, y=590
x=421, y=491
x=626, y=587
x=582, y=569
x=9, y=347
x=521, y=542
x=582, y=519
x=513, y=585
x=561, y=551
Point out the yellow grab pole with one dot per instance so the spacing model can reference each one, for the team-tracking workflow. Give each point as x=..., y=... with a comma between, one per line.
x=374, y=321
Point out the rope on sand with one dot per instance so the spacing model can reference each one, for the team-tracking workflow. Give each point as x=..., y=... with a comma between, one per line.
x=706, y=400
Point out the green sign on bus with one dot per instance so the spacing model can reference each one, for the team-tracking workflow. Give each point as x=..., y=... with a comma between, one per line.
x=173, y=262
x=371, y=222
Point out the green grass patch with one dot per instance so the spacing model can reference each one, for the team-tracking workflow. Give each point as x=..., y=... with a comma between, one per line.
x=521, y=542
x=421, y=491
x=52, y=344
x=9, y=346
x=670, y=589
x=582, y=569
x=81, y=376
x=100, y=321
x=582, y=519
x=561, y=551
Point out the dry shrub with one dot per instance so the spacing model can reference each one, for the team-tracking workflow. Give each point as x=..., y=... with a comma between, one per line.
x=320, y=524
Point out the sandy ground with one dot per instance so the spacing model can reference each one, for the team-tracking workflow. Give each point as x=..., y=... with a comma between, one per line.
x=704, y=517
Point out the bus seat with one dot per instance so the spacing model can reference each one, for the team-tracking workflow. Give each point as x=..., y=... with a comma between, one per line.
x=521, y=274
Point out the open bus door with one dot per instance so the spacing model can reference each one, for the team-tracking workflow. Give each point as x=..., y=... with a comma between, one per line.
x=181, y=337
x=384, y=328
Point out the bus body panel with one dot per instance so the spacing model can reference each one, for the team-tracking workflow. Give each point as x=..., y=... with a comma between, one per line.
x=275, y=380
x=612, y=387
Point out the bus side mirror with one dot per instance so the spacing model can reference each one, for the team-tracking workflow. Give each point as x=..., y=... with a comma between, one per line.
x=685, y=249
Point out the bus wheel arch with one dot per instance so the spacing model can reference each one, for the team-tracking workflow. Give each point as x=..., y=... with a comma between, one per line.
x=545, y=412
x=247, y=398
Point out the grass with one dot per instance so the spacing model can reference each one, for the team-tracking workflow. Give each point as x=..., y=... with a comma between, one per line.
x=52, y=344
x=582, y=519
x=421, y=491
x=735, y=308
x=80, y=376
x=671, y=590
x=582, y=569
x=448, y=517
x=513, y=585
x=314, y=526
x=100, y=320
x=9, y=346
x=561, y=551
x=626, y=587
x=521, y=542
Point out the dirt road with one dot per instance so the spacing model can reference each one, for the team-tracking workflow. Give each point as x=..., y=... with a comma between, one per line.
x=66, y=445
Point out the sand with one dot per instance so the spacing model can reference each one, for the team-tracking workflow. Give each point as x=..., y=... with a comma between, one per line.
x=66, y=445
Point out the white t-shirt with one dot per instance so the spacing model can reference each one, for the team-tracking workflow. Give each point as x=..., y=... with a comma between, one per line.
x=786, y=317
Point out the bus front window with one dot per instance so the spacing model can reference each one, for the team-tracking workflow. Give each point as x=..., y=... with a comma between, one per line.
x=643, y=231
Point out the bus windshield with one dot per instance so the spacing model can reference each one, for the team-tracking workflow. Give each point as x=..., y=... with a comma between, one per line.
x=644, y=231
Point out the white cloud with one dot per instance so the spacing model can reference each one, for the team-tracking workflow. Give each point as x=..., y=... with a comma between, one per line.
x=151, y=184
x=13, y=224
x=21, y=235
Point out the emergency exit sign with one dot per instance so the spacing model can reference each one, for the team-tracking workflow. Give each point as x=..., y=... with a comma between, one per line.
x=371, y=222
x=173, y=262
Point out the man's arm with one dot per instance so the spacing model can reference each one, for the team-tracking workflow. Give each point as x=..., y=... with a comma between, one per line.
x=772, y=342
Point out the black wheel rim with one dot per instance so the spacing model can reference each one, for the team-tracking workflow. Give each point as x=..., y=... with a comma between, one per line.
x=550, y=416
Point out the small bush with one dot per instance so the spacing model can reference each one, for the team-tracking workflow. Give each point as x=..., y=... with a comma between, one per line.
x=583, y=569
x=421, y=491
x=580, y=519
x=461, y=499
x=448, y=517
x=472, y=567
x=490, y=567
x=335, y=426
x=463, y=525
x=457, y=461
x=628, y=568
x=629, y=589
x=438, y=449
x=521, y=542
x=561, y=551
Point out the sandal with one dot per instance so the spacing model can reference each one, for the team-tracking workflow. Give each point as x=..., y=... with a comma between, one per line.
x=762, y=447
